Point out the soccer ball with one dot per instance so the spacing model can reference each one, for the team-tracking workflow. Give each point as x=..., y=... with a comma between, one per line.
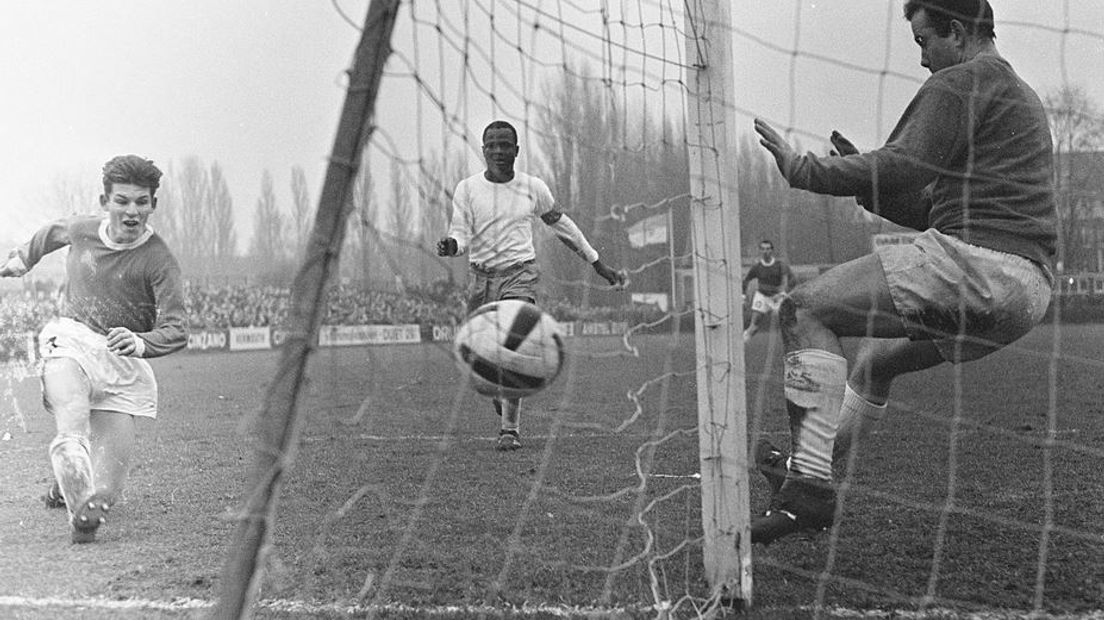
x=509, y=349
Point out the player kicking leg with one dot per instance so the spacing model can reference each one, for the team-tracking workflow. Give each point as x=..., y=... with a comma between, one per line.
x=94, y=396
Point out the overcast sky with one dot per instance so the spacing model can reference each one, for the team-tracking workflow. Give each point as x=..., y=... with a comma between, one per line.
x=258, y=84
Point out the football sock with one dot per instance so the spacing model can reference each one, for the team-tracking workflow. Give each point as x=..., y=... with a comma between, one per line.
x=511, y=414
x=858, y=417
x=814, y=385
x=72, y=465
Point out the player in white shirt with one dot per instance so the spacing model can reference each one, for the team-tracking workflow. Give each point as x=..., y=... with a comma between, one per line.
x=492, y=215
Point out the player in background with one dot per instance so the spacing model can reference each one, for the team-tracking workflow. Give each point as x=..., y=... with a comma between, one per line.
x=969, y=164
x=492, y=225
x=773, y=278
x=124, y=302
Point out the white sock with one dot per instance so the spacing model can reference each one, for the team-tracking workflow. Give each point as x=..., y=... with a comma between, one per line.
x=72, y=465
x=858, y=417
x=511, y=414
x=814, y=386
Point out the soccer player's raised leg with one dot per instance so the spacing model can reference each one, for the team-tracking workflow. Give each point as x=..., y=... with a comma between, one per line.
x=877, y=364
x=851, y=300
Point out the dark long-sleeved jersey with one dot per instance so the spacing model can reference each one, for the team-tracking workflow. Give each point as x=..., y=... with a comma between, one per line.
x=971, y=157
x=137, y=286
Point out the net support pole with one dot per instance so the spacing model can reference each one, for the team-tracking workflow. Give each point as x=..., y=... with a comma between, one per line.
x=277, y=427
x=718, y=306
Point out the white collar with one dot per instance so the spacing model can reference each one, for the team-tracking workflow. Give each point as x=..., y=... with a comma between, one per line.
x=773, y=259
x=115, y=245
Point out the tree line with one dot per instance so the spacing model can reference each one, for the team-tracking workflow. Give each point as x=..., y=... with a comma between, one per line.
x=609, y=162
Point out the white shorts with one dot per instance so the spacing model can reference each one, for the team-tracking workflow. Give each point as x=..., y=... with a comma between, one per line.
x=764, y=304
x=122, y=384
x=969, y=300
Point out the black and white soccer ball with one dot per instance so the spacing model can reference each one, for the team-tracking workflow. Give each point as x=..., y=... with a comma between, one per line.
x=509, y=349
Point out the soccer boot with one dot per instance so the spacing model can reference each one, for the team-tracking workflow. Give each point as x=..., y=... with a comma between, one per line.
x=801, y=504
x=53, y=498
x=507, y=441
x=87, y=518
x=771, y=462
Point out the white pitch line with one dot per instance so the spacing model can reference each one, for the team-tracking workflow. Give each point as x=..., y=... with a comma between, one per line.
x=557, y=611
x=313, y=609
x=459, y=439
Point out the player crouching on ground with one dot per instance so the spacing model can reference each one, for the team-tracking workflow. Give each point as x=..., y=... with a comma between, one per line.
x=969, y=164
x=124, y=302
x=491, y=223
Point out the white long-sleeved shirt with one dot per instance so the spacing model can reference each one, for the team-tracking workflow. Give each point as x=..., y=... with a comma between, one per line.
x=492, y=223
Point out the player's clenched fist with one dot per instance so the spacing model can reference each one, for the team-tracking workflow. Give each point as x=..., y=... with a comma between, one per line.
x=614, y=277
x=447, y=247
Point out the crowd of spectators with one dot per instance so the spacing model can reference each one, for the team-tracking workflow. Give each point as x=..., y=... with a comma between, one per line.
x=221, y=307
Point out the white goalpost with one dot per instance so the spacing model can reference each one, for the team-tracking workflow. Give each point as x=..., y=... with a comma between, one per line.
x=718, y=311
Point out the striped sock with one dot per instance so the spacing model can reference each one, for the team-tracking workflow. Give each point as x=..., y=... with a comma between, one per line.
x=814, y=386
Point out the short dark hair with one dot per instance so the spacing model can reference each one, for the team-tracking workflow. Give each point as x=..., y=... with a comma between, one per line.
x=133, y=170
x=500, y=125
x=975, y=15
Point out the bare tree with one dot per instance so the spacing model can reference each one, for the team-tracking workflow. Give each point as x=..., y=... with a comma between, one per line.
x=71, y=194
x=268, y=244
x=362, y=225
x=193, y=243
x=1077, y=128
x=438, y=180
x=300, y=209
x=221, y=205
x=602, y=151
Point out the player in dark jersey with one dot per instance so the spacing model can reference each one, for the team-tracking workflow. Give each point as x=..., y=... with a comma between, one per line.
x=124, y=303
x=773, y=278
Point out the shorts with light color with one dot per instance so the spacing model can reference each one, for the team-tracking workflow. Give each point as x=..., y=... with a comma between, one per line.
x=766, y=304
x=969, y=300
x=517, y=281
x=122, y=384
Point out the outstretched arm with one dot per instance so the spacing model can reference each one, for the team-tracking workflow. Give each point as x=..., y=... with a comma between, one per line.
x=14, y=266
x=571, y=236
x=51, y=237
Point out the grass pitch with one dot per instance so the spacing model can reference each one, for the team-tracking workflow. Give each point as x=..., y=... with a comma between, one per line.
x=980, y=493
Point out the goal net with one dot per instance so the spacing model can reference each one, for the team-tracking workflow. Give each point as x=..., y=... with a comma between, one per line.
x=632, y=492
